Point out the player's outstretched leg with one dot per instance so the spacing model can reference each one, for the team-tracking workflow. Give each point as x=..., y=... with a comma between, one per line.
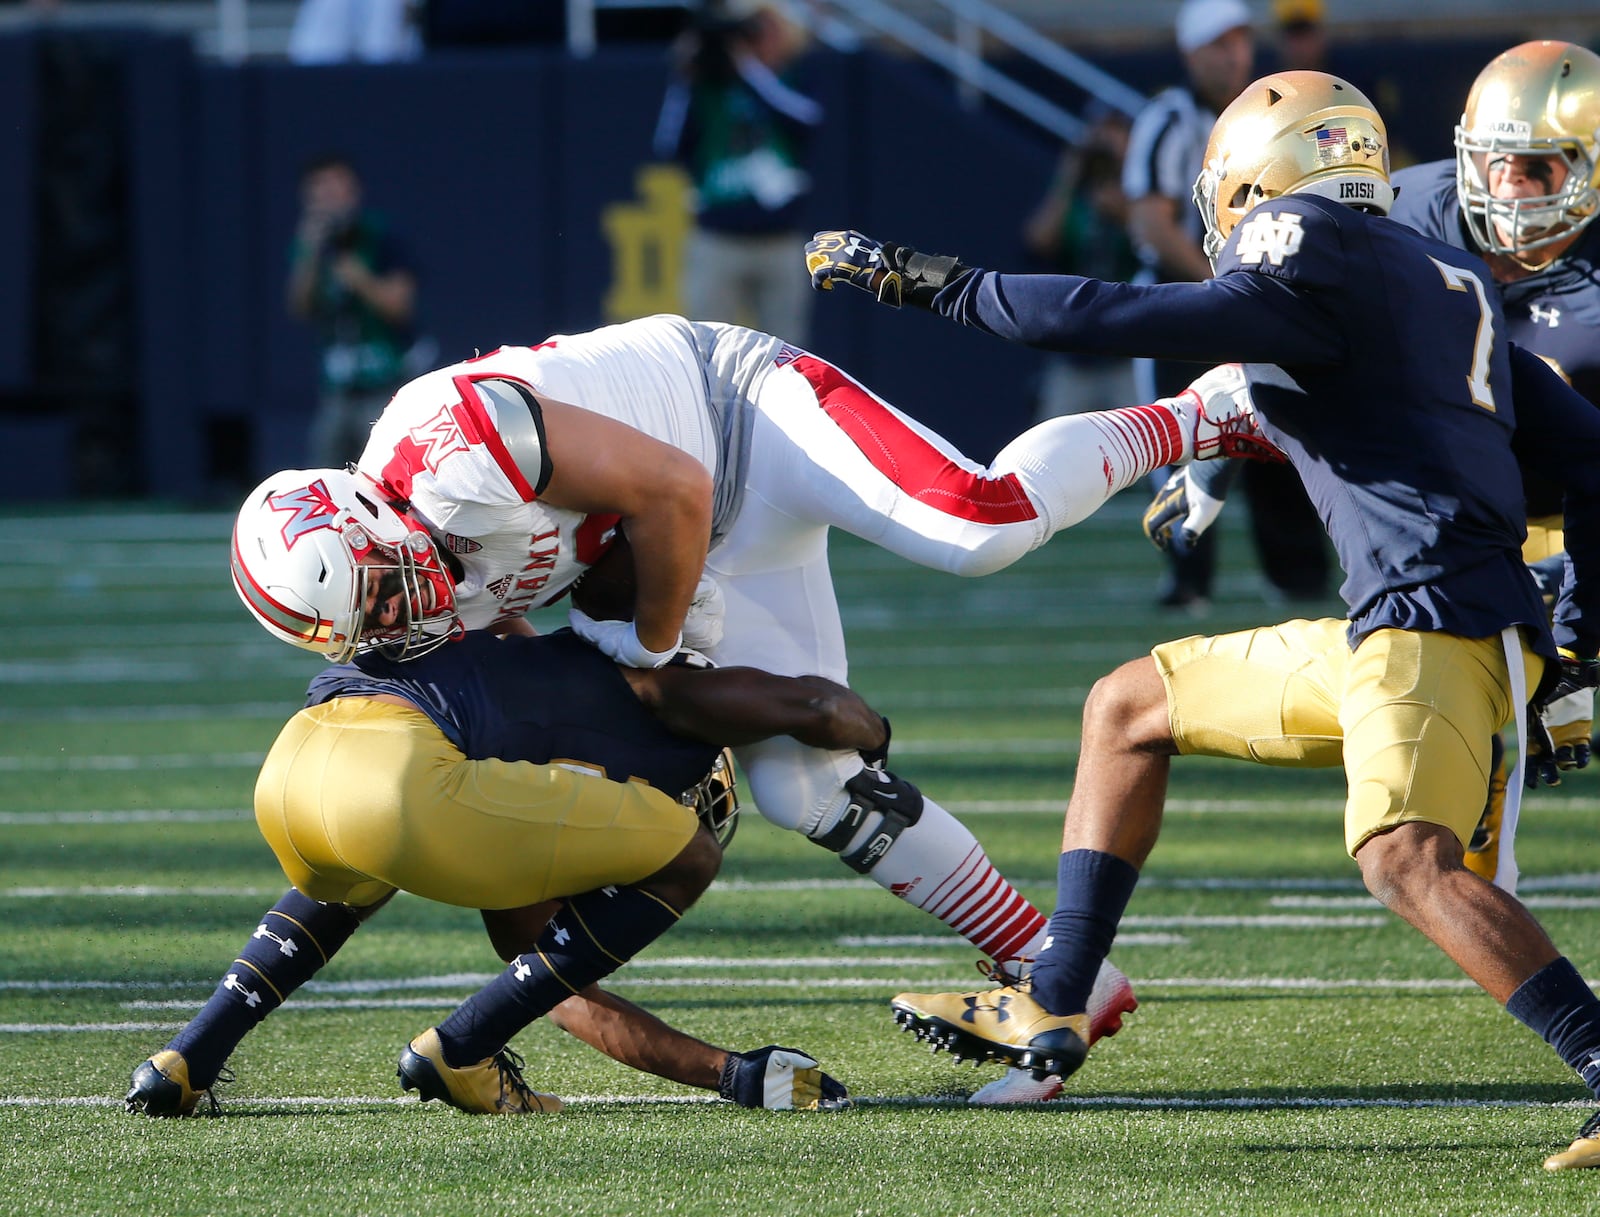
x=294, y=939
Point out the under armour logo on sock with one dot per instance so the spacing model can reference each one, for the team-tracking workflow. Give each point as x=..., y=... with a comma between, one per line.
x=521, y=970
x=1591, y=1072
x=609, y=891
x=970, y=1014
x=286, y=946
x=562, y=937
x=251, y=997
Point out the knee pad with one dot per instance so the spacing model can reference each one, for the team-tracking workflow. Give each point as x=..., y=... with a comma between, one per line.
x=873, y=791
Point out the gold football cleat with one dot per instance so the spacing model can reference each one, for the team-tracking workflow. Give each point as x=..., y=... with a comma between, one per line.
x=493, y=1086
x=1003, y=1024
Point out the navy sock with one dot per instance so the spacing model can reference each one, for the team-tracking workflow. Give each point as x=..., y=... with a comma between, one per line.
x=589, y=938
x=1092, y=890
x=1563, y=1010
x=295, y=938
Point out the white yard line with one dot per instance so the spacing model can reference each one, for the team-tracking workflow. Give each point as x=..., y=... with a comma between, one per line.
x=1085, y=1102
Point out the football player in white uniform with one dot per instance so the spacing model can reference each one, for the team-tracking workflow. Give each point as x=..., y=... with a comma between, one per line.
x=724, y=455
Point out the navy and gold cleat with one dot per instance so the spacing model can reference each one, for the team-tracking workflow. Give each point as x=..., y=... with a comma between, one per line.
x=1585, y=1151
x=160, y=1087
x=494, y=1086
x=1003, y=1024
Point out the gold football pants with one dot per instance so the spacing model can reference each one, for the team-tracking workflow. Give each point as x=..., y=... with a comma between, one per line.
x=358, y=797
x=1409, y=714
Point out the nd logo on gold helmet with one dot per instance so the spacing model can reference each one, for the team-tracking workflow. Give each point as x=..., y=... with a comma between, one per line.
x=1292, y=133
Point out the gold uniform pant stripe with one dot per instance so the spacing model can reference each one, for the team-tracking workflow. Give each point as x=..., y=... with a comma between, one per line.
x=359, y=797
x=556, y=972
x=1409, y=714
x=262, y=977
x=310, y=937
x=600, y=946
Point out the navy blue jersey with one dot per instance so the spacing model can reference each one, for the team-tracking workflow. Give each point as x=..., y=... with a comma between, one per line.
x=1395, y=402
x=1555, y=312
x=545, y=699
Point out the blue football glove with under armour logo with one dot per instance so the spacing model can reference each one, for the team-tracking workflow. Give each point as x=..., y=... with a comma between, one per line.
x=1187, y=504
x=894, y=274
x=780, y=1079
x=1561, y=722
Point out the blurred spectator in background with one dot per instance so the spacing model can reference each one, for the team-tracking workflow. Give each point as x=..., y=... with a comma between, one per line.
x=735, y=121
x=1080, y=228
x=1165, y=149
x=1302, y=36
x=365, y=31
x=350, y=278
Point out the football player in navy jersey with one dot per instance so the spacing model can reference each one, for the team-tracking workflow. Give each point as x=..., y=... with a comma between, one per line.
x=1403, y=407
x=477, y=775
x=1522, y=192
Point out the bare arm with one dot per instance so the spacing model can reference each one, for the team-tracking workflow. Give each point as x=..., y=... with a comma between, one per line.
x=733, y=706
x=601, y=466
x=608, y=1023
x=635, y=1037
x=1153, y=223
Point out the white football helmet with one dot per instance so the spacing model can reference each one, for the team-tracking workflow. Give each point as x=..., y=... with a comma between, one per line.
x=316, y=550
x=1539, y=99
x=1292, y=133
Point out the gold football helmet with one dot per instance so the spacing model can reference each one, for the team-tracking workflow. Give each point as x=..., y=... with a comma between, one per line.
x=715, y=799
x=1540, y=99
x=1292, y=133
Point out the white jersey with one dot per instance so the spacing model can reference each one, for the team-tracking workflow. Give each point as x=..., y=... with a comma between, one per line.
x=796, y=448
x=465, y=445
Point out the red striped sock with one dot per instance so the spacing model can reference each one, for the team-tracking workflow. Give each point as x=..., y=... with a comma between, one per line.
x=1138, y=440
x=976, y=902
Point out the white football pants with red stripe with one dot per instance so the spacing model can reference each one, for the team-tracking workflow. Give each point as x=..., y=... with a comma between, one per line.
x=827, y=453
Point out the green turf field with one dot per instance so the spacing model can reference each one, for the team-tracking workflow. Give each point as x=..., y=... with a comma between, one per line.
x=1297, y=1051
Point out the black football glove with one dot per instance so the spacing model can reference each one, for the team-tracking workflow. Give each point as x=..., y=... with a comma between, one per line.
x=780, y=1079
x=877, y=758
x=894, y=274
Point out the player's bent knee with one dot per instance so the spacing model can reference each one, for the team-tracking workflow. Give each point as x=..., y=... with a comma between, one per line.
x=513, y=931
x=681, y=881
x=878, y=807
x=993, y=553
x=1401, y=866
x=1129, y=705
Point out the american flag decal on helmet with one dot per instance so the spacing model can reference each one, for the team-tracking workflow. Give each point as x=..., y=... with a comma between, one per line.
x=1333, y=145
